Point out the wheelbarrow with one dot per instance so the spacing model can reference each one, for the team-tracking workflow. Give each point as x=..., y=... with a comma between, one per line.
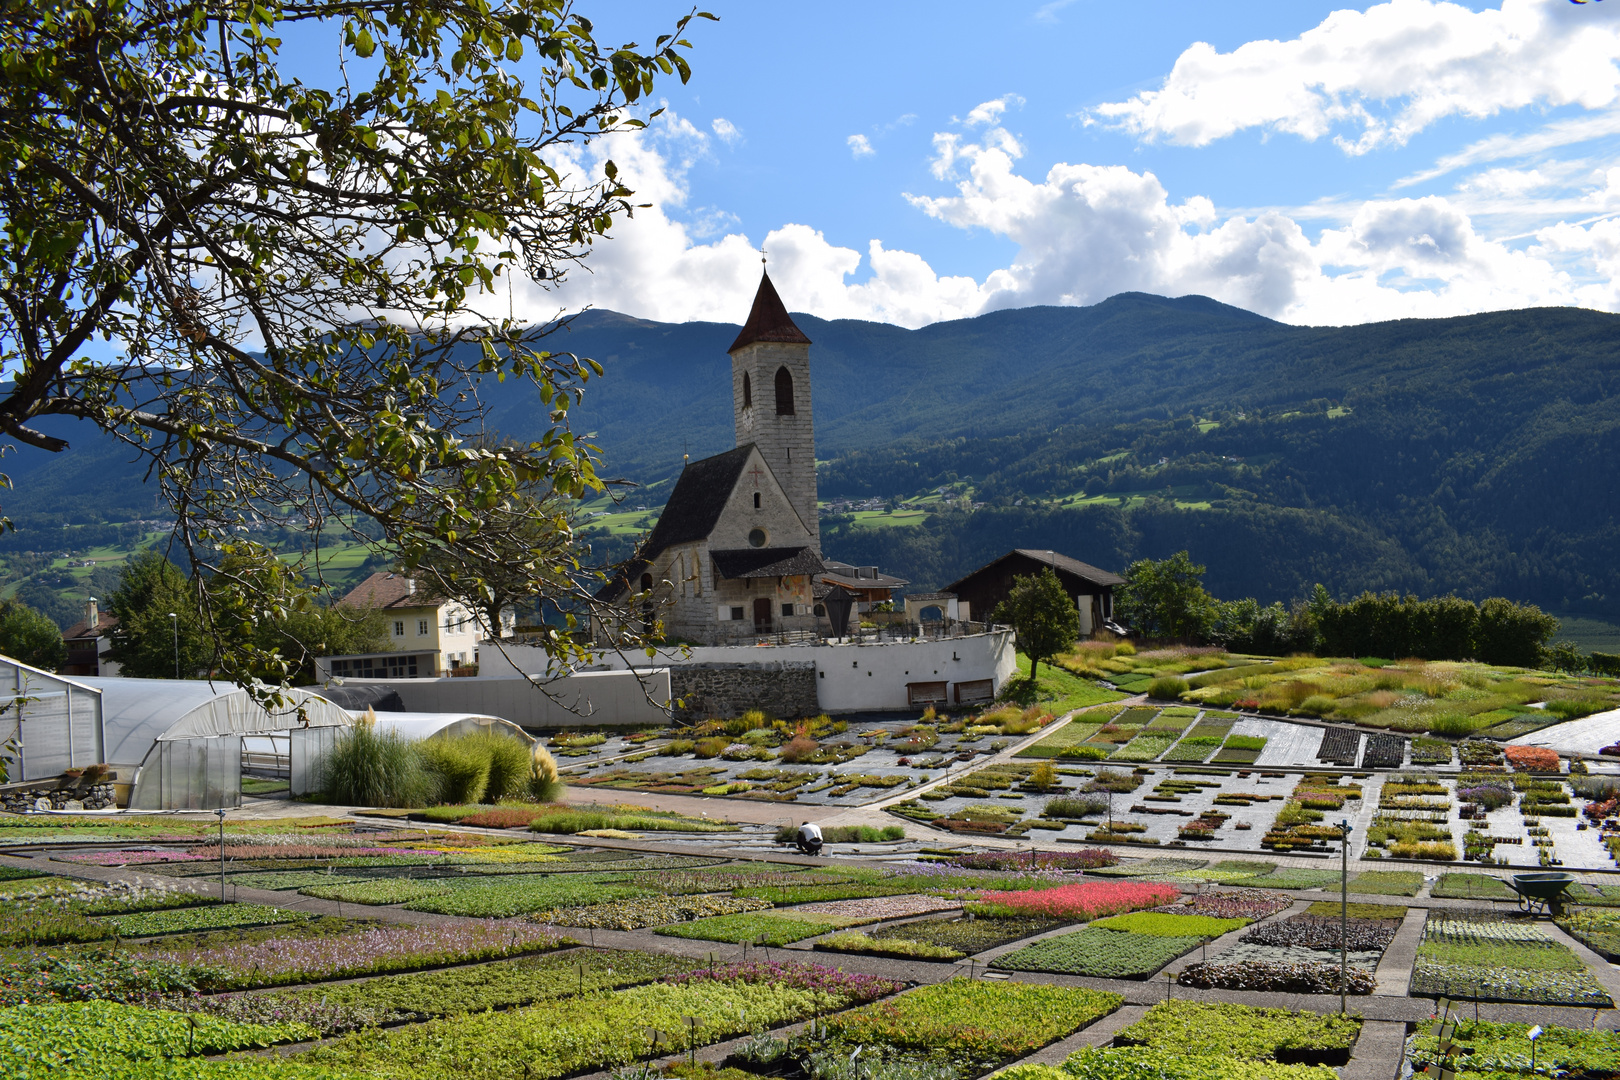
x=1541, y=893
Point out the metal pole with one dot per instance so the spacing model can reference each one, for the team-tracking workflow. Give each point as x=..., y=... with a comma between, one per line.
x=221, y=813
x=1344, y=905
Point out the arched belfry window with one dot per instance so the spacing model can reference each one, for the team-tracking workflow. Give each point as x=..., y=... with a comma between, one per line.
x=784, y=392
x=748, y=390
x=646, y=582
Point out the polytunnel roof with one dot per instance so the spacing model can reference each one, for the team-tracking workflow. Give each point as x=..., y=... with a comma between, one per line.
x=136, y=713
x=423, y=725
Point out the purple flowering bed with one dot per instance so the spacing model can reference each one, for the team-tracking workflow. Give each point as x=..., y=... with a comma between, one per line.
x=1085, y=859
x=281, y=962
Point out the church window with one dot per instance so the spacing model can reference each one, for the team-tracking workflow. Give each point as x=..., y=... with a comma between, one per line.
x=757, y=538
x=756, y=500
x=784, y=392
x=787, y=610
x=748, y=391
x=646, y=582
x=736, y=614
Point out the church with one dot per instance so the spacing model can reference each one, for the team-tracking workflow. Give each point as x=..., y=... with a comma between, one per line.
x=738, y=548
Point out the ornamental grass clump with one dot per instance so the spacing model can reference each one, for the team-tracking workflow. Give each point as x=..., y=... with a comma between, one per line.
x=366, y=767
x=1080, y=902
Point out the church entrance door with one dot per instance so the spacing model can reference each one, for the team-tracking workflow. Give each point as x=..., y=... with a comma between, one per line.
x=762, y=615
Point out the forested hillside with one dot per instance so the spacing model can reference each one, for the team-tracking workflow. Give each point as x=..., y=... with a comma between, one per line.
x=1475, y=455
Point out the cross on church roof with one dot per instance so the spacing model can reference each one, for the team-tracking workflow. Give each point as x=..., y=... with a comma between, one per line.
x=756, y=472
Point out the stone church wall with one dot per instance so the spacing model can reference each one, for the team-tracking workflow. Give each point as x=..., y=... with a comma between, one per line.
x=784, y=688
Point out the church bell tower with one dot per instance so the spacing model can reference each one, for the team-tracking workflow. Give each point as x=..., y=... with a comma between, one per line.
x=770, y=389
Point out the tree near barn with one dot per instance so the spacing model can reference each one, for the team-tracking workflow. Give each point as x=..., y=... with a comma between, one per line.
x=1043, y=616
x=280, y=294
x=1166, y=598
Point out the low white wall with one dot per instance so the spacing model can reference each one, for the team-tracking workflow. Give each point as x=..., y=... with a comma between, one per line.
x=589, y=698
x=849, y=678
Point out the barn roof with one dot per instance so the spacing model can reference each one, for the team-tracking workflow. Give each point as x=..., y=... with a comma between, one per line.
x=1059, y=562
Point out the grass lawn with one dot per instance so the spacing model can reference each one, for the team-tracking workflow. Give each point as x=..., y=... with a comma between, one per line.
x=1056, y=689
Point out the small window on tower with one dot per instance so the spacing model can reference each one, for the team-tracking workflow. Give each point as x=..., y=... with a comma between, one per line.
x=784, y=392
x=748, y=391
x=756, y=500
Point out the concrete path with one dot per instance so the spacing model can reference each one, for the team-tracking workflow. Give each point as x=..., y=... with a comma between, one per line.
x=1394, y=972
x=1378, y=1052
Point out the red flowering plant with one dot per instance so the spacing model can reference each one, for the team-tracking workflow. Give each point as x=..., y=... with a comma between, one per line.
x=1531, y=758
x=1081, y=902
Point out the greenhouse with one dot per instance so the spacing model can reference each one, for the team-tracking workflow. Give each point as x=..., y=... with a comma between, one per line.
x=181, y=739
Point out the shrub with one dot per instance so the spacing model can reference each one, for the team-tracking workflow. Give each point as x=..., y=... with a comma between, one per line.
x=1169, y=688
x=368, y=768
x=1074, y=807
x=711, y=747
x=797, y=749
x=459, y=766
x=510, y=764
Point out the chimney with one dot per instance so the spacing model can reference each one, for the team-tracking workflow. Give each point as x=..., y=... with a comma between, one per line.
x=92, y=614
x=410, y=586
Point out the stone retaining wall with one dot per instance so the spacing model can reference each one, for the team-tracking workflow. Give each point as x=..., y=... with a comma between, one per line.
x=785, y=689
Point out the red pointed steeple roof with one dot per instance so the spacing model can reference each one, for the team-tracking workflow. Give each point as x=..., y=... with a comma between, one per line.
x=769, y=320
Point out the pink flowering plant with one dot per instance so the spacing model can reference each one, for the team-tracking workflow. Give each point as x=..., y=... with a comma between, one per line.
x=1081, y=901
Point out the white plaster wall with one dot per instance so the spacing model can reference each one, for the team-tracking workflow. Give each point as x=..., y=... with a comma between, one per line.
x=583, y=699
x=849, y=678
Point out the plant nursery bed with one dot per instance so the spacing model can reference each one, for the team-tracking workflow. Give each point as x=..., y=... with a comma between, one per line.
x=776, y=929
x=1245, y=1032
x=193, y=919
x=1388, y=882
x=1499, y=1050
x=974, y=1025
x=1483, y=954
x=1103, y=954
x=502, y=984
x=561, y=1038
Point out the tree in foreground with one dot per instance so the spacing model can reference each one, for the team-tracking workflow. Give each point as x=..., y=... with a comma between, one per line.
x=1044, y=617
x=30, y=636
x=1166, y=598
x=292, y=284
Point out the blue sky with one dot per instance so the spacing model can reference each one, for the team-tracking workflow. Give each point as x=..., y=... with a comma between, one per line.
x=1318, y=163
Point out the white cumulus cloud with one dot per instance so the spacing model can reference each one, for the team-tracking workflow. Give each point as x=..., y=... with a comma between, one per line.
x=1082, y=233
x=726, y=131
x=860, y=146
x=1382, y=75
